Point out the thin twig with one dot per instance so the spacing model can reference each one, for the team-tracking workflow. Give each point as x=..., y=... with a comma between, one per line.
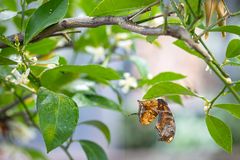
x=67, y=153
x=152, y=18
x=14, y=104
x=145, y=9
x=26, y=109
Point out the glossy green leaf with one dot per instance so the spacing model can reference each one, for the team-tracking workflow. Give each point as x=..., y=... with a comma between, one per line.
x=181, y=44
x=93, y=151
x=58, y=117
x=151, y=39
x=230, y=29
x=47, y=14
x=176, y=99
x=233, y=49
x=116, y=7
x=6, y=61
x=232, y=61
x=141, y=66
x=101, y=126
x=95, y=100
x=234, y=109
x=42, y=47
x=55, y=78
x=220, y=132
x=166, y=76
x=30, y=1
x=167, y=89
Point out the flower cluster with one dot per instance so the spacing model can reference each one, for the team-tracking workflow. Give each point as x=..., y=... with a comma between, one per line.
x=17, y=77
x=127, y=83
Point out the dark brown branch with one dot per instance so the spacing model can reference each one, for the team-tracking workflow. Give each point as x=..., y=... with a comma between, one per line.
x=123, y=22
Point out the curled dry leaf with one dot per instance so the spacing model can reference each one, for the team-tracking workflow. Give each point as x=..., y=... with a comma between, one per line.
x=210, y=7
x=150, y=109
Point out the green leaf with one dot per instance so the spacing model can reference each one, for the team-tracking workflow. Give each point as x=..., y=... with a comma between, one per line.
x=181, y=44
x=176, y=99
x=116, y=7
x=101, y=126
x=95, y=100
x=42, y=47
x=6, y=61
x=55, y=78
x=93, y=151
x=229, y=29
x=141, y=66
x=47, y=14
x=166, y=76
x=58, y=117
x=234, y=109
x=30, y=1
x=167, y=89
x=232, y=61
x=233, y=49
x=220, y=132
x=151, y=39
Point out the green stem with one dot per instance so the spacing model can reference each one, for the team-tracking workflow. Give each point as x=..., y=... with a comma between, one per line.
x=213, y=64
x=219, y=94
x=191, y=10
x=67, y=153
x=26, y=109
x=224, y=80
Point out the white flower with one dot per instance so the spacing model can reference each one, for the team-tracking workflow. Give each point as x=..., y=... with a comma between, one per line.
x=97, y=52
x=127, y=83
x=21, y=132
x=20, y=78
x=127, y=44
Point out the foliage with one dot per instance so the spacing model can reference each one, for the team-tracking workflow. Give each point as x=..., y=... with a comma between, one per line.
x=29, y=65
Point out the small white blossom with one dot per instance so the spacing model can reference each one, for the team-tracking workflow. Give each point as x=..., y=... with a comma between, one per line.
x=127, y=83
x=16, y=58
x=20, y=78
x=97, y=52
x=21, y=132
x=127, y=45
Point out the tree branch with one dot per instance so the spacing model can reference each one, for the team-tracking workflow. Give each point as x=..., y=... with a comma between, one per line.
x=123, y=22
